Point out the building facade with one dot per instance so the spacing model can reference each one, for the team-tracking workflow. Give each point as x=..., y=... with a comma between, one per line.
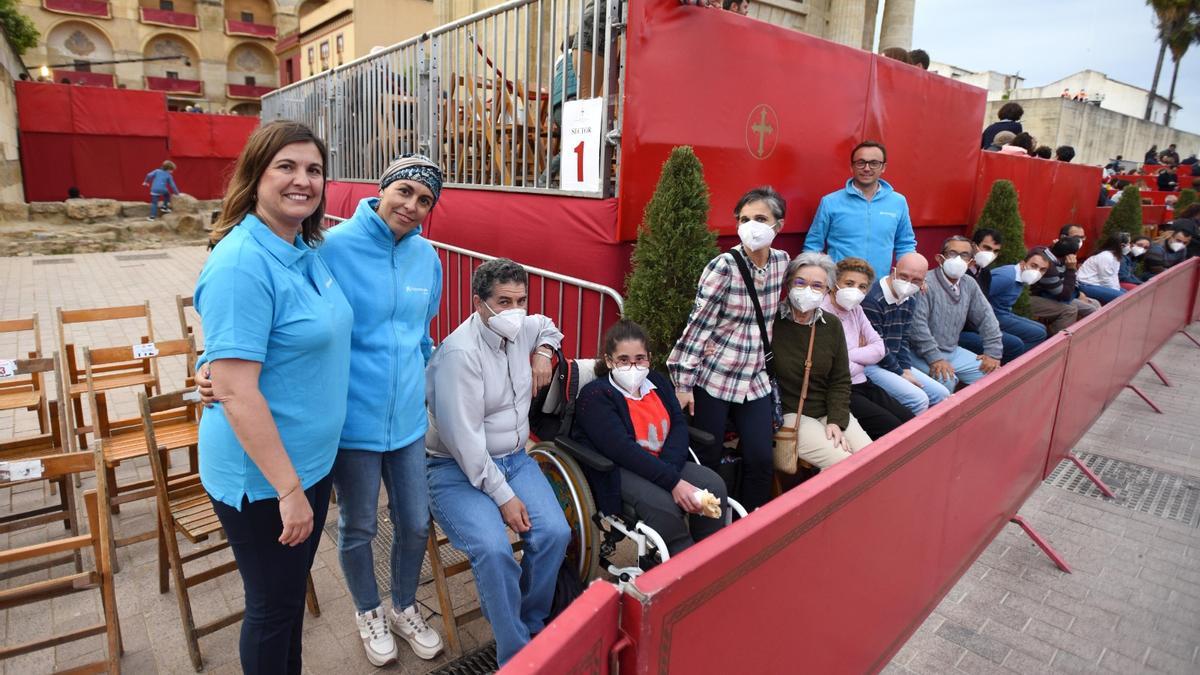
x=213, y=54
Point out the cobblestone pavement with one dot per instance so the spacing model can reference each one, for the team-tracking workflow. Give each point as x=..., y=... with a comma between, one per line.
x=1132, y=605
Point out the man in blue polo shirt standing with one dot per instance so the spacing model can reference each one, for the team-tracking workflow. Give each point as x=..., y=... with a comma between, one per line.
x=867, y=219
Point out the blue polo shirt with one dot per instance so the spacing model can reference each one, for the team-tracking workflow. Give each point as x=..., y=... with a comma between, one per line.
x=261, y=299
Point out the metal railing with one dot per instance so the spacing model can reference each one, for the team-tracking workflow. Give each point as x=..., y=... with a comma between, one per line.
x=482, y=96
x=581, y=309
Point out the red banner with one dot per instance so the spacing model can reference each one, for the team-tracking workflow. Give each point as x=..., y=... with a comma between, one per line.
x=1051, y=194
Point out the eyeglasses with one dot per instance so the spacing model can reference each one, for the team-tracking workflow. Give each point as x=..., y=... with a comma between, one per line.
x=966, y=255
x=862, y=164
x=816, y=285
x=639, y=360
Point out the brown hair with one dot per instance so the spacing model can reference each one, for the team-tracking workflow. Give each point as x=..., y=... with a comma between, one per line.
x=856, y=265
x=898, y=54
x=241, y=195
x=168, y=165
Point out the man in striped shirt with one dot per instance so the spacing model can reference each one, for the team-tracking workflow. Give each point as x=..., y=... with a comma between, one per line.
x=1054, y=297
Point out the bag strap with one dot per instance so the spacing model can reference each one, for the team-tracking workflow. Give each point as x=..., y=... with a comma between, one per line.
x=762, y=322
x=812, y=337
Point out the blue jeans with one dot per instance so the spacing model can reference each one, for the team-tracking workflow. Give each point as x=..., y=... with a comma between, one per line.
x=515, y=598
x=356, y=475
x=1102, y=293
x=917, y=399
x=1031, y=332
x=166, y=202
x=274, y=578
x=973, y=342
x=965, y=364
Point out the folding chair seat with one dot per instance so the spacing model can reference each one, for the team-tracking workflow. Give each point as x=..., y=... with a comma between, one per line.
x=25, y=393
x=96, y=575
x=184, y=508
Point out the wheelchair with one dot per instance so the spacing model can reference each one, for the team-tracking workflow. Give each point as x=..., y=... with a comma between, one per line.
x=594, y=535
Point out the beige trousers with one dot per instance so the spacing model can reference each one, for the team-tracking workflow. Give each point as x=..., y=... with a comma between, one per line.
x=818, y=450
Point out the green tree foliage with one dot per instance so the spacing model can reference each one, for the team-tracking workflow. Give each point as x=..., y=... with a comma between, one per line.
x=673, y=246
x=21, y=32
x=1126, y=216
x=1002, y=213
x=1186, y=198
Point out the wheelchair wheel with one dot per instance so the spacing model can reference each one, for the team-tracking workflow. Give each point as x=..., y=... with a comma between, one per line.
x=575, y=497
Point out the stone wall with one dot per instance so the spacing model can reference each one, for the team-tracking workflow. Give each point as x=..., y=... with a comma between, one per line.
x=1098, y=135
x=11, y=187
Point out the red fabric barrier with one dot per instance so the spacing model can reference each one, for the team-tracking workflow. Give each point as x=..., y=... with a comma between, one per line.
x=229, y=134
x=118, y=112
x=202, y=177
x=47, y=166
x=43, y=107
x=594, y=616
x=1109, y=347
x=932, y=497
x=898, y=114
x=1051, y=194
x=113, y=167
x=189, y=135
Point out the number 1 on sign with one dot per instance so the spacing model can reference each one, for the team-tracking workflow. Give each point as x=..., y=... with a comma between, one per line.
x=579, y=161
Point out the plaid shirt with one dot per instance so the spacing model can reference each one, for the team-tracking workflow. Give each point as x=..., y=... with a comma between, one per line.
x=724, y=316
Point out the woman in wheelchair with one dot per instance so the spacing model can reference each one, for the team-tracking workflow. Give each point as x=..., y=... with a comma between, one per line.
x=630, y=415
x=828, y=433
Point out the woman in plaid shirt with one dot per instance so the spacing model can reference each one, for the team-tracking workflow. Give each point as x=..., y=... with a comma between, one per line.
x=719, y=366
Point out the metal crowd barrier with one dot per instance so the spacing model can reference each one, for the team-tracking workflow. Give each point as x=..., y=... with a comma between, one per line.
x=481, y=96
x=581, y=309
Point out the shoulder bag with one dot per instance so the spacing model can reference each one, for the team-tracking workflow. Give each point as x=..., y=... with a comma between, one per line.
x=786, y=442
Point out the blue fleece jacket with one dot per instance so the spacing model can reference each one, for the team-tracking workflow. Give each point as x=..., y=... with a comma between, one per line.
x=161, y=182
x=847, y=225
x=1004, y=289
x=394, y=288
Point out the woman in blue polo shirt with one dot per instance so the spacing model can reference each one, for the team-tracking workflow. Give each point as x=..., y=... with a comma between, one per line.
x=393, y=279
x=277, y=338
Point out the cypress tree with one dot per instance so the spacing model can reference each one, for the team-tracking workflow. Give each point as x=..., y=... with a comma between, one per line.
x=673, y=246
x=1002, y=213
x=1186, y=198
x=1126, y=216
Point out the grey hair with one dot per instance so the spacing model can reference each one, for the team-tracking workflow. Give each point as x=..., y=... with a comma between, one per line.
x=767, y=195
x=957, y=237
x=498, y=271
x=814, y=259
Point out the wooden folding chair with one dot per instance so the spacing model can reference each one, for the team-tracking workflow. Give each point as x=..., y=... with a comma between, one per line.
x=186, y=329
x=437, y=543
x=112, y=376
x=27, y=447
x=97, y=575
x=126, y=439
x=29, y=393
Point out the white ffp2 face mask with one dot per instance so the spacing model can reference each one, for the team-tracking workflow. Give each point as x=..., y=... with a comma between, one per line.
x=1137, y=251
x=954, y=267
x=1030, y=276
x=630, y=377
x=506, y=324
x=984, y=258
x=848, y=298
x=904, y=289
x=1177, y=246
x=755, y=235
x=805, y=299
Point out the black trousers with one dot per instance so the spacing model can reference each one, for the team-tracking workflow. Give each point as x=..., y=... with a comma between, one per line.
x=275, y=579
x=752, y=419
x=876, y=410
x=656, y=506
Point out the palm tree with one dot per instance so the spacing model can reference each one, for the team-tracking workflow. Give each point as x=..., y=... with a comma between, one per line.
x=1179, y=44
x=1170, y=16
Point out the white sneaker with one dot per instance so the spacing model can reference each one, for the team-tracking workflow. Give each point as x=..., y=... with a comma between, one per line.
x=377, y=641
x=410, y=625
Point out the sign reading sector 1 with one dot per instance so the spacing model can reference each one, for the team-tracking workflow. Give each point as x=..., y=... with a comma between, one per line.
x=580, y=161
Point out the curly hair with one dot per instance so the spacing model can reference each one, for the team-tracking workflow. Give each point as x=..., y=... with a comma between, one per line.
x=855, y=265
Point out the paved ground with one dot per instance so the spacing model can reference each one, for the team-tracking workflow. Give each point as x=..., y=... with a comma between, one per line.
x=1132, y=605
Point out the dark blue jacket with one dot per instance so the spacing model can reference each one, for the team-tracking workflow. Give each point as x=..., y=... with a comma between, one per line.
x=602, y=423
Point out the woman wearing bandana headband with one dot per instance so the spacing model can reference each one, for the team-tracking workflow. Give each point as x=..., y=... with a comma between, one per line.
x=392, y=278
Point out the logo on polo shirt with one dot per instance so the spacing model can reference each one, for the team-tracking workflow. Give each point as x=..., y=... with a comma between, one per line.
x=892, y=214
x=416, y=289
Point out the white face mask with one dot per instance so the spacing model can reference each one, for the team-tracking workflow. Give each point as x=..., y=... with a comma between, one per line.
x=506, y=324
x=954, y=267
x=1137, y=251
x=805, y=299
x=1125, y=249
x=1030, y=276
x=849, y=298
x=631, y=377
x=1177, y=246
x=984, y=258
x=904, y=289
x=756, y=235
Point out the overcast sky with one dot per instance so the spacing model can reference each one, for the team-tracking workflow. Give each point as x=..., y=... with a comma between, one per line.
x=1044, y=41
